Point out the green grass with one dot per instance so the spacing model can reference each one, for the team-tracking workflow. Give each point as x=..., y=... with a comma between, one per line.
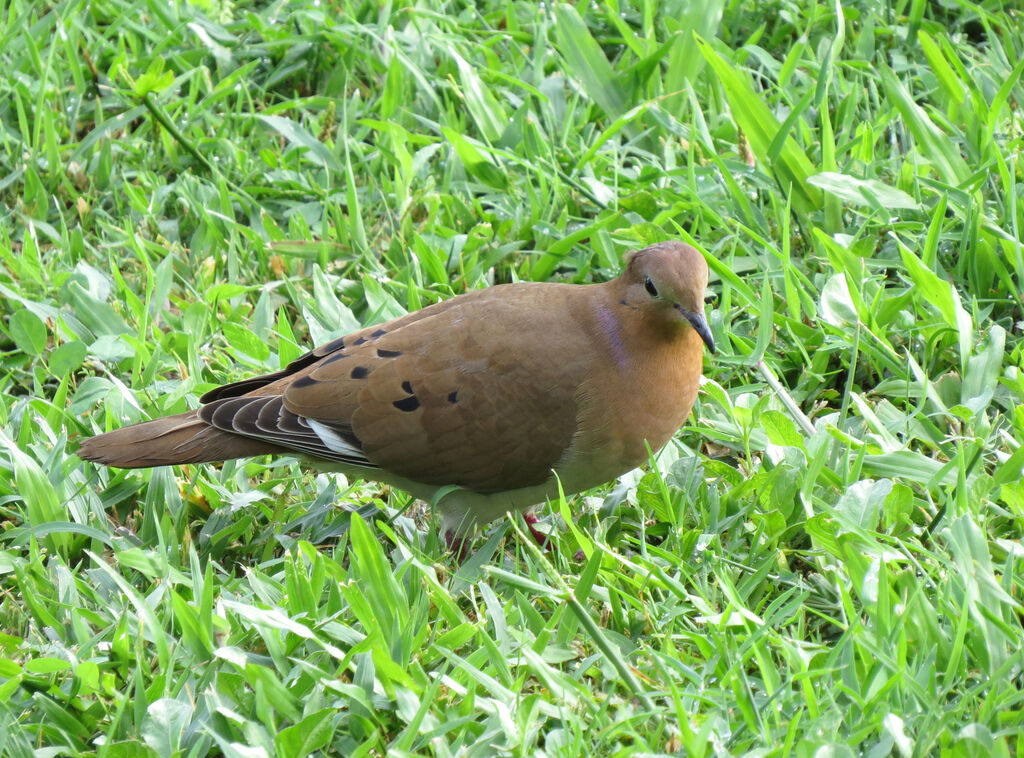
x=827, y=561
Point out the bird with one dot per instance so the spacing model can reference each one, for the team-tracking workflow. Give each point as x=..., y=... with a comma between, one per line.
x=483, y=404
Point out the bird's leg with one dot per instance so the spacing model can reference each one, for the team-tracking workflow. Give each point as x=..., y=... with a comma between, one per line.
x=531, y=518
x=458, y=544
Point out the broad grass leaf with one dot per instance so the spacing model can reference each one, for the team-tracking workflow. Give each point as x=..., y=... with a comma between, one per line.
x=861, y=503
x=780, y=429
x=97, y=316
x=43, y=504
x=791, y=167
x=488, y=114
x=837, y=306
x=685, y=20
x=937, y=147
x=28, y=332
x=308, y=736
x=67, y=358
x=246, y=343
x=586, y=60
x=870, y=192
x=947, y=78
x=981, y=378
x=165, y=724
x=932, y=289
x=315, y=150
x=476, y=159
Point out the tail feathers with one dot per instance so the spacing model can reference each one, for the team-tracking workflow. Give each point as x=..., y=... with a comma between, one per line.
x=170, y=441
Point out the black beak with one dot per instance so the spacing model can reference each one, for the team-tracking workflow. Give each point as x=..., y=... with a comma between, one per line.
x=700, y=324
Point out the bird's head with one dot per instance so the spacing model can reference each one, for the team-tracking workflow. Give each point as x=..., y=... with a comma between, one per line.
x=669, y=279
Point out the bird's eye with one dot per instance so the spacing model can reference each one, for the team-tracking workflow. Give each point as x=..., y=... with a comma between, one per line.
x=649, y=286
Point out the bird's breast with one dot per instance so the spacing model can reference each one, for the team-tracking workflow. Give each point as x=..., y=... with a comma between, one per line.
x=640, y=404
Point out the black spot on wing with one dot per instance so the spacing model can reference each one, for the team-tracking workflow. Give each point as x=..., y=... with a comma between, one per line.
x=334, y=346
x=407, y=404
x=360, y=372
x=379, y=333
x=333, y=358
x=453, y=397
x=360, y=341
x=237, y=389
x=330, y=347
x=407, y=387
x=388, y=353
x=304, y=381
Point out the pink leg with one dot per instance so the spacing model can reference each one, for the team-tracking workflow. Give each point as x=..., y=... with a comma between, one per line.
x=531, y=519
x=458, y=545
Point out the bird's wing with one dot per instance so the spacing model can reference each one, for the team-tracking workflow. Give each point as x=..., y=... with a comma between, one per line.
x=481, y=395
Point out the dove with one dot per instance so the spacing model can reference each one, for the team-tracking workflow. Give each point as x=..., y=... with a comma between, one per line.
x=482, y=404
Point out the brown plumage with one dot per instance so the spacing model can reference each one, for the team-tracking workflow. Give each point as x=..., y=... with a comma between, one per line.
x=491, y=391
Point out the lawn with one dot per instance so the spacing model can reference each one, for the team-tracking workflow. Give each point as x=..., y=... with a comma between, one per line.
x=827, y=559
